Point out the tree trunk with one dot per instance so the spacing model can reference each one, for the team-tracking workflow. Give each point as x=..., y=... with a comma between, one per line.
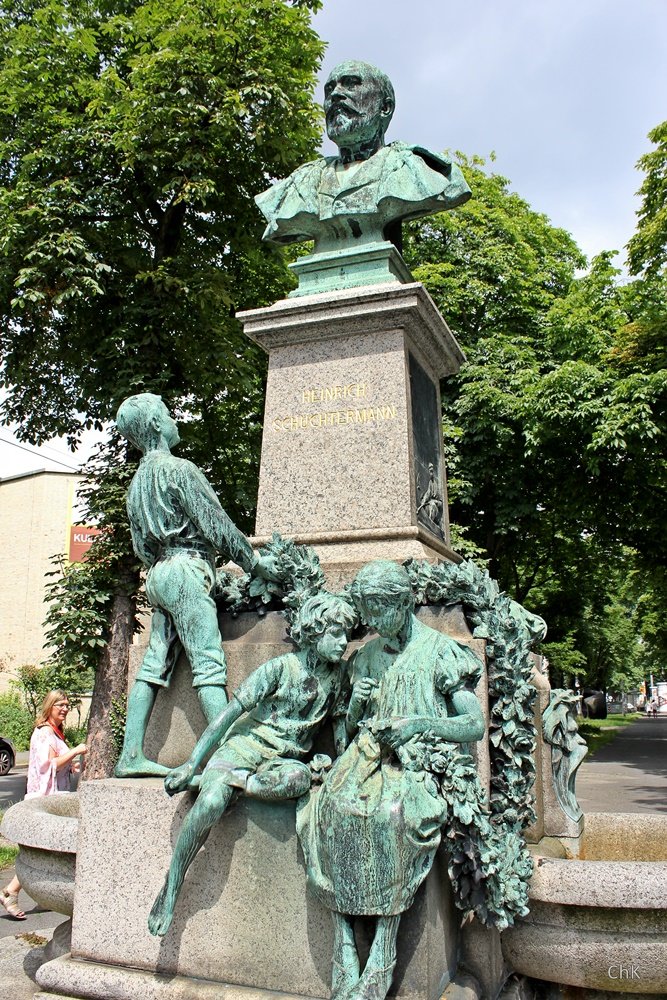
x=111, y=682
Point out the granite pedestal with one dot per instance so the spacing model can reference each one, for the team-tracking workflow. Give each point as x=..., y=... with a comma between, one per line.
x=244, y=917
x=551, y=819
x=352, y=425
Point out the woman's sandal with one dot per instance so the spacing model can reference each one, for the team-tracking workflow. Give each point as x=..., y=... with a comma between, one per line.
x=10, y=901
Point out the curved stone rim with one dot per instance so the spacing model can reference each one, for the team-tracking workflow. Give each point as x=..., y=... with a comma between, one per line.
x=627, y=885
x=612, y=883
x=50, y=823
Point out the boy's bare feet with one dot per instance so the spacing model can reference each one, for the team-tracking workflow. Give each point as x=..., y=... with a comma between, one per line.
x=138, y=766
x=162, y=912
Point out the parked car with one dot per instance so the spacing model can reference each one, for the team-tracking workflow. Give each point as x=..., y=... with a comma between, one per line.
x=7, y=755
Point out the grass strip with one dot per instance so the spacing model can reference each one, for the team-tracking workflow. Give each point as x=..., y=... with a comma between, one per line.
x=599, y=732
x=7, y=855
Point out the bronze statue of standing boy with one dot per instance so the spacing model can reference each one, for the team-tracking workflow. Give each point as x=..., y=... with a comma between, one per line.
x=178, y=528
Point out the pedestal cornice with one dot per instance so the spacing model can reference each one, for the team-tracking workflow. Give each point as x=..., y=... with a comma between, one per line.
x=336, y=314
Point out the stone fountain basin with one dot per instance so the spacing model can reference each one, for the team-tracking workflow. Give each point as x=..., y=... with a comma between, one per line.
x=596, y=918
x=45, y=830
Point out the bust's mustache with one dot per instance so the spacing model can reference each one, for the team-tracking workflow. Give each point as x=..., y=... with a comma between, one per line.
x=341, y=108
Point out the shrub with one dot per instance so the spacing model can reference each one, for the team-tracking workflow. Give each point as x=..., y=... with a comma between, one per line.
x=16, y=722
x=34, y=682
x=75, y=735
x=8, y=854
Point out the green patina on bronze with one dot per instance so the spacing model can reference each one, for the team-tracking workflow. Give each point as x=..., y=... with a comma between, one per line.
x=568, y=748
x=403, y=779
x=352, y=204
x=178, y=528
x=509, y=631
x=292, y=573
x=263, y=736
x=404, y=711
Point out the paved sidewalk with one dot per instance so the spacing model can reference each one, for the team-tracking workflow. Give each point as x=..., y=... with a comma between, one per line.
x=20, y=957
x=628, y=775
x=22, y=944
x=37, y=920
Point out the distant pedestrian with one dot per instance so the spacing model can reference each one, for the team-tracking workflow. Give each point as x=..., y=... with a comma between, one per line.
x=654, y=708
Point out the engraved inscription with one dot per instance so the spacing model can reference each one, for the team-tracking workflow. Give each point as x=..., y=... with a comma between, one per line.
x=353, y=392
x=330, y=393
x=334, y=418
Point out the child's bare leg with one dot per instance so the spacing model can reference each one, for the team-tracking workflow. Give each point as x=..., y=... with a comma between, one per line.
x=213, y=700
x=289, y=781
x=379, y=972
x=133, y=762
x=345, y=966
x=214, y=797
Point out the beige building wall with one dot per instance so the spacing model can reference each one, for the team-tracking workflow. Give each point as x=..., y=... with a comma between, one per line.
x=35, y=516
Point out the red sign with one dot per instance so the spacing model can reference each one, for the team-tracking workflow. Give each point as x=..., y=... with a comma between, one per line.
x=80, y=540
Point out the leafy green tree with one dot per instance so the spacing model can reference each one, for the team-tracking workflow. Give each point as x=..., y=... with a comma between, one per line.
x=599, y=610
x=132, y=139
x=647, y=250
x=133, y=136
x=494, y=265
x=641, y=345
x=16, y=722
x=93, y=606
x=556, y=425
x=650, y=591
x=34, y=683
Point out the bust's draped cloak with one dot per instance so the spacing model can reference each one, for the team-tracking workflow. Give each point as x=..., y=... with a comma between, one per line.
x=399, y=182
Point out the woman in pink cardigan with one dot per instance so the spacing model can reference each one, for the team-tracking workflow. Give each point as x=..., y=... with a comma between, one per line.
x=50, y=765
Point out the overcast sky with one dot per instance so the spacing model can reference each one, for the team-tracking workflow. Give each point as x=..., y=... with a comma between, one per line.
x=563, y=92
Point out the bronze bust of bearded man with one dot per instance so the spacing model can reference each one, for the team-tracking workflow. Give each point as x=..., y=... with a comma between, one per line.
x=361, y=195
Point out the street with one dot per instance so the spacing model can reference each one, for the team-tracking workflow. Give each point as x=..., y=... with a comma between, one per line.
x=12, y=785
x=628, y=775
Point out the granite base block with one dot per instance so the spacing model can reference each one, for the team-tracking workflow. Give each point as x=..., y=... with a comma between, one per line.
x=244, y=917
x=535, y=831
x=338, y=445
x=481, y=955
x=343, y=553
x=93, y=981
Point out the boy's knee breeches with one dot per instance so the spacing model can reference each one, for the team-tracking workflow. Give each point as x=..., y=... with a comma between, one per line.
x=179, y=588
